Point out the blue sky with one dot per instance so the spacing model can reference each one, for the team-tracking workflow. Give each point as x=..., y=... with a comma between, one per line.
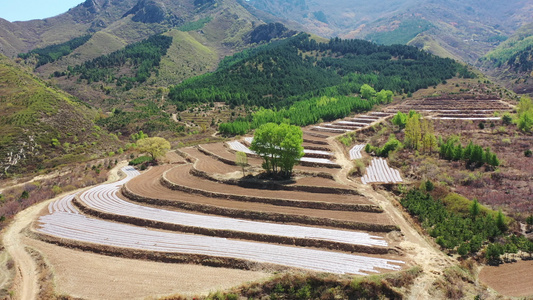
x=23, y=10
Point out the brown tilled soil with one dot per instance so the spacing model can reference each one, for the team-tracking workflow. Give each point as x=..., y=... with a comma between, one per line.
x=104, y=277
x=173, y=158
x=514, y=279
x=317, y=135
x=148, y=185
x=209, y=164
x=319, y=181
x=180, y=175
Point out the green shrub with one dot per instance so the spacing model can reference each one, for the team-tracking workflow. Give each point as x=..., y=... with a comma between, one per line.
x=391, y=145
x=140, y=160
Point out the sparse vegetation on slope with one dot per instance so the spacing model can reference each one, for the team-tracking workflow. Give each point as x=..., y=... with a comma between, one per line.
x=43, y=127
x=323, y=286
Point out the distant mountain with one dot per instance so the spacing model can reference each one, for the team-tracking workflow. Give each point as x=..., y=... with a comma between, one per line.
x=202, y=32
x=42, y=126
x=511, y=63
x=459, y=29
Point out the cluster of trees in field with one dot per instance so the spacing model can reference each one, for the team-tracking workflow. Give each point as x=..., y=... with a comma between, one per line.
x=511, y=244
x=54, y=52
x=272, y=74
x=472, y=154
x=143, y=57
x=310, y=111
x=463, y=232
x=419, y=135
x=525, y=114
x=391, y=145
x=280, y=147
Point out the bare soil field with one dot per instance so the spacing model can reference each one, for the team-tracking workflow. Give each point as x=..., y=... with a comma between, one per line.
x=512, y=279
x=149, y=185
x=182, y=176
x=104, y=277
x=460, y=99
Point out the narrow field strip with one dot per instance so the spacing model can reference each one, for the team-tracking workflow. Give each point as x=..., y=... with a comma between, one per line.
x=80, y=228
x=355, y=152
x=328, y=129
x=351, y=124
x=238, y=146
x=380, y=172
x=467, y=118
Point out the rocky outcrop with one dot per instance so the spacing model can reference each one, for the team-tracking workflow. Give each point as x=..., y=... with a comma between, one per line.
x=150, y=11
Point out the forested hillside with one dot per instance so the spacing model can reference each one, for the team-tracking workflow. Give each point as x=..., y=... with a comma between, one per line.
x=275, y=74
x=141, y=58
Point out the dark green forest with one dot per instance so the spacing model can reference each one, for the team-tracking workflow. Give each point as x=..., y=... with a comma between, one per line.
x=54, y=52
x=142, y=57
x=272, y=75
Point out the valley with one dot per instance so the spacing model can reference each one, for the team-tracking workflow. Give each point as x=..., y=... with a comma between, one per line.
x=267, y=149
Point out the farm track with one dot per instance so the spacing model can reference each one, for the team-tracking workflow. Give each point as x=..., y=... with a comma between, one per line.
x=26, y=277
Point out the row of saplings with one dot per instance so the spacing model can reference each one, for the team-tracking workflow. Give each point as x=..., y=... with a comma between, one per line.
x=464, y=227
x=420, y=136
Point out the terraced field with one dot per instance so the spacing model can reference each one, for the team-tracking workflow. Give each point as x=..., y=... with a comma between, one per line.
x=200, y=210
x=456, y=107
x=351, y=123
x=66, y=222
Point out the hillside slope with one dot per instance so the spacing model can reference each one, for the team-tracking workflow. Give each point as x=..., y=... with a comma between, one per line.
x=511, y=63
x=202, y=32
x=42, y=126
x=463, y=29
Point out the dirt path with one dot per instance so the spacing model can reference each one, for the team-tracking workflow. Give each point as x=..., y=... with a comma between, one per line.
x=10, y=185
x=416, y=246
x=26, y=278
